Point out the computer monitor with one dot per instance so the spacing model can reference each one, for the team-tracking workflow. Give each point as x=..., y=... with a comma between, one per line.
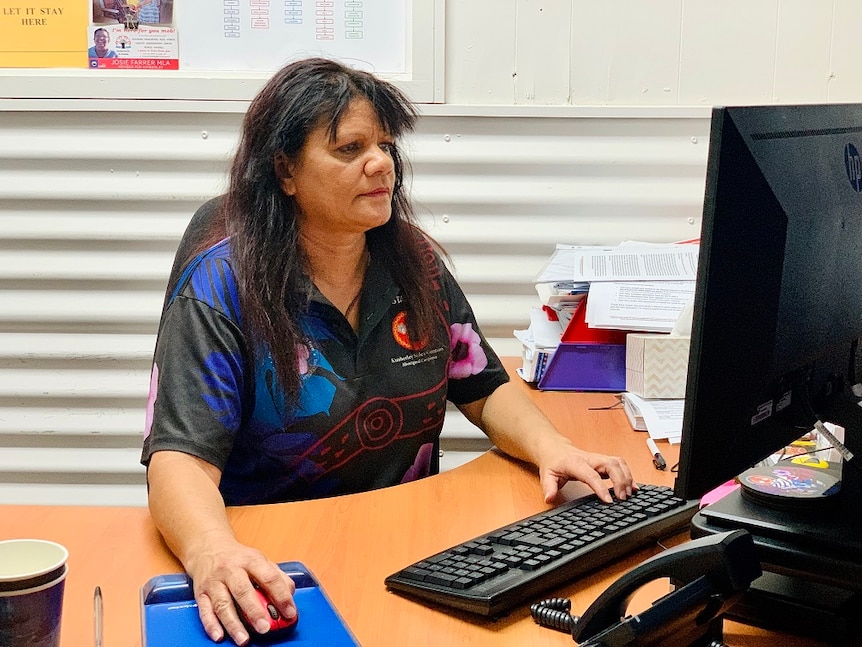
x=777, y=313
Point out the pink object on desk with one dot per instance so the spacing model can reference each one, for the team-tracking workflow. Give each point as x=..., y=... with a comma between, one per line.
x=722, y=490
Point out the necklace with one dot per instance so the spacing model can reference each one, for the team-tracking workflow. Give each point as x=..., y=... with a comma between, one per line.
x=352, y=303
x=366, y=257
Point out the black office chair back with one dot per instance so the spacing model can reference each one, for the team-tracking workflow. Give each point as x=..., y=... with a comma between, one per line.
x=198, y=232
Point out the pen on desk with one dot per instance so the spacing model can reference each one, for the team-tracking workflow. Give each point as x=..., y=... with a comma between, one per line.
x=97, y=615
x=657, y=458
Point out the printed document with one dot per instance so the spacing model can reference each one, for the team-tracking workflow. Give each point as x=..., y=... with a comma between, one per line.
x=641, y=263
x=628, y=261
x=648, y=306
x=663, y=418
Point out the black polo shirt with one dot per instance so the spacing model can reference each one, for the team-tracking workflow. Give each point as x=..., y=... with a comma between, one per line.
x=371, y=403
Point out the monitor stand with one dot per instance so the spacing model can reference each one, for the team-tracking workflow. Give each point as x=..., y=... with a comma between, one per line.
x=812, y=582
x=810, y=556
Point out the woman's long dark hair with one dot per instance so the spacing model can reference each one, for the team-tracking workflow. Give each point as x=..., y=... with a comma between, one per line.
x=262, y=220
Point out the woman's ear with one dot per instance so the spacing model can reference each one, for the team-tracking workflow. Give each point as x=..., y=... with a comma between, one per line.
x=283, y=171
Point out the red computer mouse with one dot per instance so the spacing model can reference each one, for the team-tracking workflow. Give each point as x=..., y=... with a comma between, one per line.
x=279, y=626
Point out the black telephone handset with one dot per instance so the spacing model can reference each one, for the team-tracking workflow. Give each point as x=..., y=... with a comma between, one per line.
x=711, y=573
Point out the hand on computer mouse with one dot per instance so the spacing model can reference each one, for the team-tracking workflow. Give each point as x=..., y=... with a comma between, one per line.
x=279, y=626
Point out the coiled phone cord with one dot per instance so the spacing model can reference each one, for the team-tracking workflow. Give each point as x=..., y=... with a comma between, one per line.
x=554, y=613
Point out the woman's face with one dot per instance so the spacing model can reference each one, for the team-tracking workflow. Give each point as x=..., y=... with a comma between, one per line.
x=344, y=185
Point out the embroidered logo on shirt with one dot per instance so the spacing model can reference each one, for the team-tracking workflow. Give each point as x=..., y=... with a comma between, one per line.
x=399, y=332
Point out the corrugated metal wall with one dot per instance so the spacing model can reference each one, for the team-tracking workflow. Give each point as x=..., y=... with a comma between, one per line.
x=93, y=202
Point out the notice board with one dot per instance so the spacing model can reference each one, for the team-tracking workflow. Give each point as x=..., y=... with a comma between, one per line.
x=223, y=50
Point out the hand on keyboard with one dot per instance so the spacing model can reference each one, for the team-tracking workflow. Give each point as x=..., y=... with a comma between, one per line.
x=590, y=468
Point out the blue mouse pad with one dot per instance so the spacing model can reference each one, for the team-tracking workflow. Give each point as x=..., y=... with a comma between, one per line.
x=169, y=614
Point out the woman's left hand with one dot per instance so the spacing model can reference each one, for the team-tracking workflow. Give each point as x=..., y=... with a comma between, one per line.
x=518, y=427
x=573, y=464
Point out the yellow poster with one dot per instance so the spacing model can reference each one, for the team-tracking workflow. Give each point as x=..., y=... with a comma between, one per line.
x=43, y=33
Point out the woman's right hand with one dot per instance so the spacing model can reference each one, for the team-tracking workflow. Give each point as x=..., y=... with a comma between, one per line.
x=225, y=571
x=189, y=511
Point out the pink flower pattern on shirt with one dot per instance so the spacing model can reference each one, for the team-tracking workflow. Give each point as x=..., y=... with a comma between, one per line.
x=302, y=355
x=465, y=348
x=151, y=399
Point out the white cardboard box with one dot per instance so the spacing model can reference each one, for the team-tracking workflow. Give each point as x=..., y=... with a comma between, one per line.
x=656, y=365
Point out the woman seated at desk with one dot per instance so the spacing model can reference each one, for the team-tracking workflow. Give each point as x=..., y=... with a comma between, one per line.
x=310, y=348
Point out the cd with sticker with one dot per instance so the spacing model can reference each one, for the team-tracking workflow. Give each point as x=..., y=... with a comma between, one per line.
x=787, y=485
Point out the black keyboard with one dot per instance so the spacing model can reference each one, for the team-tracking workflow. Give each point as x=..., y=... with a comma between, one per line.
x=513, y=565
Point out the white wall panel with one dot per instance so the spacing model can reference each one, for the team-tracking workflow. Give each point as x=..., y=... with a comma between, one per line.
x=803, y=51
x=535, y=80
x=480, y=51
x=92, y=205
x=727, y=51
x=845, y=75
x=625, y=53
x=652, y=52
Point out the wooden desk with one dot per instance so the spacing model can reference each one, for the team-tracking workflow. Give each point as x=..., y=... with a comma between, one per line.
x=351, y=543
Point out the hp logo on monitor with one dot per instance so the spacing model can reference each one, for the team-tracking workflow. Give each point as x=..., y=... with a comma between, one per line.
x=853, y=164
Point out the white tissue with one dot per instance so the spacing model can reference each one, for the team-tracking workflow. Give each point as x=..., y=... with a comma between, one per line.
x=682, y=327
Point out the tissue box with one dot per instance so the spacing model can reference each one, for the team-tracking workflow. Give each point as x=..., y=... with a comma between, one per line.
x=656, y=365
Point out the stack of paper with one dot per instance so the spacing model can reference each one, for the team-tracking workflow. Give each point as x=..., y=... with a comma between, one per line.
x=662, y=419
x=633, y=413
x=562, y=297
x=633, y=286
